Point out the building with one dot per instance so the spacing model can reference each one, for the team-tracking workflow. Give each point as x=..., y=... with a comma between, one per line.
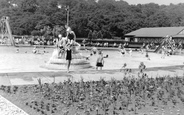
x=155, y=34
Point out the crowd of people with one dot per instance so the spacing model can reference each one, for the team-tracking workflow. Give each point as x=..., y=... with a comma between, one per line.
x=106, y=44
x=67, y=45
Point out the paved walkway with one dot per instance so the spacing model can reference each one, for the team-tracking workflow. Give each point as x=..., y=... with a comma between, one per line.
x=8, y=108
x=25, y=78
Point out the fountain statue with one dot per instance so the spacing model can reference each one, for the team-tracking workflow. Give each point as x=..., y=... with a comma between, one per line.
x=58, y=59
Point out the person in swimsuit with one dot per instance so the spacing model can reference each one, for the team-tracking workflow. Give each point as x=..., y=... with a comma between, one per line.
x=147, y=55
x=180, y=46
x=68, y=56
x=70, y=35
x=61, y=46
x=34, y=50
x=94, y=50
x=100, y=61
x=163, y=51
x=70, y=48
x=123, y=51
x=142, y=67
x=142, y=48
x=123, y=67
x=130, y=51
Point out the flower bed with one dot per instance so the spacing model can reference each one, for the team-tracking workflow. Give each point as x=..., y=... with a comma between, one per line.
x=129, y=96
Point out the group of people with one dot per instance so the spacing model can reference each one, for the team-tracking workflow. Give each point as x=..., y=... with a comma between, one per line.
x=66, y=46
x=169, y=47
x=123, y=51
x=127, y=71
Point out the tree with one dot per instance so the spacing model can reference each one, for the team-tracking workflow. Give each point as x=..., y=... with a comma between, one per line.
x=90, y=36
x=94, y=35
x=100, y=35
x=111, y=17
x=36, y=33
x=58, y=30
x=29, y=5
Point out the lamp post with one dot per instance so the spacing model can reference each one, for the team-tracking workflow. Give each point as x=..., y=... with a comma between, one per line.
x=67, y=15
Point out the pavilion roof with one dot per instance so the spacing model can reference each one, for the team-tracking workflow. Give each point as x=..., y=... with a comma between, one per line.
x=156, y=32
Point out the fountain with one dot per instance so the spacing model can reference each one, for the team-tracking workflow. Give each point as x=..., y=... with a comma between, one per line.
x=78, y=60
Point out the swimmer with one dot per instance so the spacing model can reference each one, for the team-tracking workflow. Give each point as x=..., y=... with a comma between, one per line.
x=106, y=56
x=130, y=51
x=71, y=37
x=123, y=51
x=94, y=50
x=142, y=48
x=87, y=58
x=100, y=61
x=44, y=51
x=35, y=50
x=142, y=67
x=17, y=51
x=147, y=55
x=61, y=46
x=163, y=53
x=123, y=67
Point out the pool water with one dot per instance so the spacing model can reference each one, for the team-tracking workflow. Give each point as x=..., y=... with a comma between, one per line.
x=26, y=61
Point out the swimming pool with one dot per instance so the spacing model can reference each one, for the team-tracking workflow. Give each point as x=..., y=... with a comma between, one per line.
x=26, y=61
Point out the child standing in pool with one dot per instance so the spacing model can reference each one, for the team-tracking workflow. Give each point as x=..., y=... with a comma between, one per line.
x=163, y=52
x=122, y=50
x=130, y=51
x=100, y=61
x=147, y=55
x=60, y=45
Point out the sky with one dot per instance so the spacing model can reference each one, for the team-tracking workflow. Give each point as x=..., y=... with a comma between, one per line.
x=160, y=2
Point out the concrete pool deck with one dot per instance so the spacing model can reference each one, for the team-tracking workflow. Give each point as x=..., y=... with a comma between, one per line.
x=25, y=78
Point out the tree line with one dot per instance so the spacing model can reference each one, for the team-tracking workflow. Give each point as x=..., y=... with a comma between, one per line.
x=97, y=18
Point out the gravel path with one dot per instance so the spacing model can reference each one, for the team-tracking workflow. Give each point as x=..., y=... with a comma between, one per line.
x=8, y=108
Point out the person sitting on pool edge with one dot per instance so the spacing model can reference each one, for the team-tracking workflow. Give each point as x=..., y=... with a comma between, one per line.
x=17, y=51
x=100, y=61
